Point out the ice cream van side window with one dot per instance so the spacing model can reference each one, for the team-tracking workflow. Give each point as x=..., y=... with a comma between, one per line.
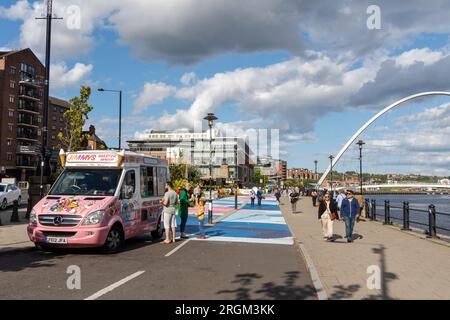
x=161, y=178
x=147, y=182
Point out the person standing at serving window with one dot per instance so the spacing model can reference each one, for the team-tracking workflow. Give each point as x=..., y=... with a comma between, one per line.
x=169, y=202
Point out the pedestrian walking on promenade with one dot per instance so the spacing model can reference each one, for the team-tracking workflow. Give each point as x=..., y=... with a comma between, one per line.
x=327, y=214
x=362, y=210
x=340, y=197
x=314, y=197
x=185, y=199
x=169, y=203
x=252, y=197
x=294, y=199
x=259, y=195
x=278, y=195
x=349, y=212
x=201, y=216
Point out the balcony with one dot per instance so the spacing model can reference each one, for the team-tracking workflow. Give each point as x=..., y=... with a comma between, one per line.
x=30, y=82
x=28, y=94
x=27, y=120
x=26, y=106
x=25, y=163
x=29, y=136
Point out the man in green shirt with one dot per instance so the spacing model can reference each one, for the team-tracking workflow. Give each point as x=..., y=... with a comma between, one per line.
x=185, y=198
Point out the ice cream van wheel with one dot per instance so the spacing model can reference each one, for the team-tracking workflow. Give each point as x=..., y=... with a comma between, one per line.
x=158, y=232
x=114, y=240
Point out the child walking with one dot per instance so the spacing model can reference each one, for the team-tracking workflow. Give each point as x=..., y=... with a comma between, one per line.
x=201, y=217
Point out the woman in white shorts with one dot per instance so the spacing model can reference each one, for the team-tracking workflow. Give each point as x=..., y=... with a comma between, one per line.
x=169, y=202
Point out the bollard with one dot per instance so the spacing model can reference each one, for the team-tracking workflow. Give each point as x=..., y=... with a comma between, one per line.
x=15, y=212
x=431, y=221
x=406, y=216
x=367, y=206
x=387, y=212
x=374, y=210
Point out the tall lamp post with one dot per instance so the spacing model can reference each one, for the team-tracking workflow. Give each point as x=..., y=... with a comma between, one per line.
x=120, y=112
x=210, y=118
x=331, y=157
x=45, y=157
x=360, y=144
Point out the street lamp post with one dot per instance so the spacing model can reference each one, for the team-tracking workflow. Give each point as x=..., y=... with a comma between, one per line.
x=210, y=118
x=360, y=144
x=331, y=171
x=315, y=166
x=120, y=112
x=236, y=175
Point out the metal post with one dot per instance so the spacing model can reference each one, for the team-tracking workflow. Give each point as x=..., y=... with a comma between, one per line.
x=387, y=212
x=41, y=187
x=15, y=212
x=431, y=221
x=236, y=176
x=373, y=216
x=45, y=158
x=120, y=119
x=331, y=172
x=406, y=216
x=210, y=176
x=29, y=208
x=367, y=206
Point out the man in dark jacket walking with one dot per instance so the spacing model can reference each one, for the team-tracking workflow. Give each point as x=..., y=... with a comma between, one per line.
x=349, y=212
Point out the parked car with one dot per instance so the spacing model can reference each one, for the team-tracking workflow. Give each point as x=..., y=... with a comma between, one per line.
x=8, y=194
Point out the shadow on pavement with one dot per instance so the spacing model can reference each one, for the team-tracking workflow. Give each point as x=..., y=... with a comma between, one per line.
x=347, y=292
x=22, y=259
x=386, y=276
x=249, y=287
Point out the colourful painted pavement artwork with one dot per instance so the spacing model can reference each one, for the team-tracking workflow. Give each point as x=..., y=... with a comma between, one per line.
x=264, y=224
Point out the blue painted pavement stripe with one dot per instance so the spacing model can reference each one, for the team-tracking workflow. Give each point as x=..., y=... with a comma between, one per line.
x=251, y=224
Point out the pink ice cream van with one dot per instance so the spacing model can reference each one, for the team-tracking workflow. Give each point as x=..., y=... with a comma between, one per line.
x=100, y=199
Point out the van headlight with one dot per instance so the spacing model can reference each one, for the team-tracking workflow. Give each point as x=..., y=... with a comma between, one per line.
x=94, y=217
x=33, y=218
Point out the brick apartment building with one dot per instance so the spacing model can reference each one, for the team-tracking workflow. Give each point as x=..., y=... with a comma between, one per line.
x=302, y=174
x=21, y=114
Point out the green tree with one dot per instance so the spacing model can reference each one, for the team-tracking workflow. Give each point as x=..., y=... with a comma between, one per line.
x=176, y=171
x=71, y=139
x=257, y=176
x=194, y=174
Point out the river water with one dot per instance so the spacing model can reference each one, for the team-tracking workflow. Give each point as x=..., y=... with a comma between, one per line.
x=441, y=202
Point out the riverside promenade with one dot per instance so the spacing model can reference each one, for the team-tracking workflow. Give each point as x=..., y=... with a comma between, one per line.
x=411, y=266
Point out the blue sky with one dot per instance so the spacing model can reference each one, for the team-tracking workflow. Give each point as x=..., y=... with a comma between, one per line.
x=314, y=71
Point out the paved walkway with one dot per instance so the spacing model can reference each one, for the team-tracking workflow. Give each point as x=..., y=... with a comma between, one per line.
x=412, y=267
x=251, y=224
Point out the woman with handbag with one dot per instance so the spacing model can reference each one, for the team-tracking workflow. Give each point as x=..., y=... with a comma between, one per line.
x=327, y=214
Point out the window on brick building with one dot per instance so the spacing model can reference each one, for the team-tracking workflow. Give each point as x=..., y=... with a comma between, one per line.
x=11, y=99
x=10, y=114
x=9, y=157
x=12, y=70
x=12, y=84
x=10, y=127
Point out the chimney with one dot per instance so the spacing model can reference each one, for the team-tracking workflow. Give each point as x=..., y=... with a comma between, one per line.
x=91, y=130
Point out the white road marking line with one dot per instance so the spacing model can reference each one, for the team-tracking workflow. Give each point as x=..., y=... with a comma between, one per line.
x=321, y=293
x=177, y=248
x=114, y=286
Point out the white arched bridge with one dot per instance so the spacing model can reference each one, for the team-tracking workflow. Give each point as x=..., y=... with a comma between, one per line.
x=369, y=122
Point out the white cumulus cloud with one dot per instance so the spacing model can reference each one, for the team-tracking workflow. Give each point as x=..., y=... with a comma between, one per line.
x=152, y=93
